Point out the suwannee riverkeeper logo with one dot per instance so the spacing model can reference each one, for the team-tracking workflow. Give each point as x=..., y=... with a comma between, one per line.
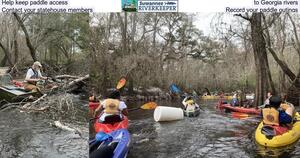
x=150, y=5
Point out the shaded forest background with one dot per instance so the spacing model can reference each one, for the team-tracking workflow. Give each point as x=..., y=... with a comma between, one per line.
x=250, y=52
x=58, y=41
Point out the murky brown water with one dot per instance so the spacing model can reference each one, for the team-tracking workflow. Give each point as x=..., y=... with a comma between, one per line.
x=30, y=135
x=212, y=134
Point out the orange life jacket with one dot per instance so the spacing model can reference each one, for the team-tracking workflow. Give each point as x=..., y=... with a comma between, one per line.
x=111, y=106
x=270, y=116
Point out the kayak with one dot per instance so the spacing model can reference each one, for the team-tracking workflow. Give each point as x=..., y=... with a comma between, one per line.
x=110, y=145
x=213, y=97
x=109, y=127
x=207, y=97
x=11, y=93
x=266, y=136
x=192, y=113
x=239, y=109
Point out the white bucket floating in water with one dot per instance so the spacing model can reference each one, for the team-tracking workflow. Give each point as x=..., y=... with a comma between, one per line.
x=164, y=113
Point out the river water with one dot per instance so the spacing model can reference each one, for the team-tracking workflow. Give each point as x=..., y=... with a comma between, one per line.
x=31, y=135
x=212, y=134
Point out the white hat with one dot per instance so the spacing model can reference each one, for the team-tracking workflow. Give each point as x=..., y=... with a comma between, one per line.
x=37, y=64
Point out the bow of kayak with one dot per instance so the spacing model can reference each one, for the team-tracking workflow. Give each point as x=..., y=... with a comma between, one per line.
x=114, y=144
x=280, y=140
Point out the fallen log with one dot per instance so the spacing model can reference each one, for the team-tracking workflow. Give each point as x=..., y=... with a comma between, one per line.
x=74, y=82
x=37, y=109
x=58, y=124
x=36, y=101
x=66, y=76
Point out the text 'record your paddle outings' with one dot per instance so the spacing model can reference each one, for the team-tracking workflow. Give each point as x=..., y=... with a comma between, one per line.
x=269, y=6
x=42, y=6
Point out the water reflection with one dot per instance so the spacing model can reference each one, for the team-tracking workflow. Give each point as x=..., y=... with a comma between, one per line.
x=30, y=135
x=212, y=134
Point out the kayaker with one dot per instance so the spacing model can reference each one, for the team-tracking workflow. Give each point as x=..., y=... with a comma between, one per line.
x=234, y=101
x=283, y=97
x=276, y=113
x=33, y=75
x=112, y=106
x=189, y=104
x=269, y=95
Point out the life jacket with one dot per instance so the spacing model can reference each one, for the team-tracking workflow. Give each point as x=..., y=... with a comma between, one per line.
x=34, y=76
x=190, y=102
x=270, y=116
x=112, y=106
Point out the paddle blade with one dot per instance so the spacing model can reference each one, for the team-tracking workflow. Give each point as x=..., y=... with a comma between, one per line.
x=121, y=83
x=148, y=106
x=174, y=89
x=239, y=115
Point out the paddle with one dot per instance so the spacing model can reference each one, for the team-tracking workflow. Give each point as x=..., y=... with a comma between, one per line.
x=146, y=106
x=201, y=108
x=175, y=89
x=121, y=83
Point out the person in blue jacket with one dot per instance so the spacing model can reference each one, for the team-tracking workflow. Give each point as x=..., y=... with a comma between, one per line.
x=234, y=100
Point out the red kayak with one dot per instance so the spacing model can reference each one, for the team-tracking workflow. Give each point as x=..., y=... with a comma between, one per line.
x=109, y=127
x=239, y=109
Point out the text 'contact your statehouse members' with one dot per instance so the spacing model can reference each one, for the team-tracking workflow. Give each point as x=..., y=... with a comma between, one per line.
x=40, y=6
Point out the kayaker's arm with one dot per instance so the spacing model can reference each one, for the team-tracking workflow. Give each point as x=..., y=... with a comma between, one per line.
x=290, y=110
x=125, y=112
x=97, y=111
x=184, y=102
x=32, y=80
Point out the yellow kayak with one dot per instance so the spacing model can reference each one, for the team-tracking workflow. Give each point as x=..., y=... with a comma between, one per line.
x=211, y=97
x=280, y=140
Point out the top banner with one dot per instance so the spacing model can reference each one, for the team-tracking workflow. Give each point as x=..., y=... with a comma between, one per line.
x=89, y=6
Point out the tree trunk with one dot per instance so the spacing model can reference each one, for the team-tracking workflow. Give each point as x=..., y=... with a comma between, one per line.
x=154, y=31
x=3, y=61
x=104, y=85
x=123, y=25
x=28, y=42
x=293, y=93
x=130, y=85
x=16, y=46
x=282, y=78
x=133, y=33
x=260, y=56
x=7, y=55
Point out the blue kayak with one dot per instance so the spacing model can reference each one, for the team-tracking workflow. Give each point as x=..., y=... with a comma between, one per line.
x=174, y=89
x=112, y=145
